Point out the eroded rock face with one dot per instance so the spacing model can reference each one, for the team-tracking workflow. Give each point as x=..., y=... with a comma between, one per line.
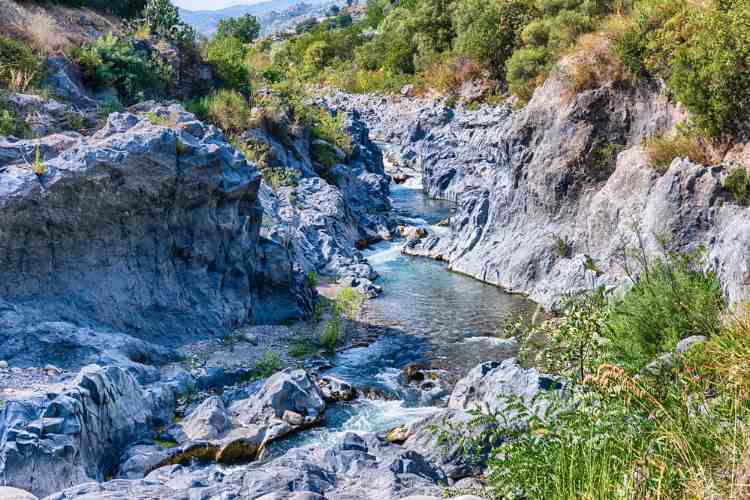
x=77, y=434
x=151, y=229
x=565, y=169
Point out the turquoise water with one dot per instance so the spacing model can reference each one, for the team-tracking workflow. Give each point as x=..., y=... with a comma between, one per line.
x=428, y=315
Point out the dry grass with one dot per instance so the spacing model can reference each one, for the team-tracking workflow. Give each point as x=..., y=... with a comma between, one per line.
x=662, y=150
x=52, y=28
x=592, y=63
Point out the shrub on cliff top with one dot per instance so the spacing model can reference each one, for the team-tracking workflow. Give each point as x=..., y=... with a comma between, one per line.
x=114, y=62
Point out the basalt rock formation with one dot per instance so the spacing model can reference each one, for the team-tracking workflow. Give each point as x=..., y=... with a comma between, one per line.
x=543, y=191
x=149, y=229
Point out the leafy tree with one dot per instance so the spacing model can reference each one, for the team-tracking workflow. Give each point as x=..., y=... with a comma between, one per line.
x=489, y=32
x=226, y=55
x=245, y=28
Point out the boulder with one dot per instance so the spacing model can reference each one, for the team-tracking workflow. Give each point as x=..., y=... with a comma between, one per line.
x=489, y=385
x=8, y=493
x=181, y=196
x=210, y=420
x=334, y=389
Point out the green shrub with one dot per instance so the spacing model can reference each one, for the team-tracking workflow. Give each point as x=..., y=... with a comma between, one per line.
x=163, y=20
x=227, y=109
x=488, y=32
x=301, y=347
x=348, y=303
x=672, y=298
x=113, y=62
x=333, y=129
x=20, y=67
x=245, y=28
x=525, y=70
x=738, y=185
x=278, y=177
x=226, y=55
x=268, y=364
x=10, y=122
x=331, y=333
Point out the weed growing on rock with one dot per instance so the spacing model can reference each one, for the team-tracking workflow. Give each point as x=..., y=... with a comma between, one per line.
x=662, y=150
x=331, y=333
x=268, y=364
x=737, y=183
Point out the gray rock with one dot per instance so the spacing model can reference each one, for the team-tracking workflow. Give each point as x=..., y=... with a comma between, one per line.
x=520, y=178
x=489, y=385
x=210, y=420
x=152, y=230
x=334, y=389
x=8, y=493
x=77, y=435
x=3, y=365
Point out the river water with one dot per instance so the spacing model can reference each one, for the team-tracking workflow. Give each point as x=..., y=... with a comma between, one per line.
x=428, y=315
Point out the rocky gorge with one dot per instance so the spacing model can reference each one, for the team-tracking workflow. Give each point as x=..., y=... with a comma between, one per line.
x=121, y=246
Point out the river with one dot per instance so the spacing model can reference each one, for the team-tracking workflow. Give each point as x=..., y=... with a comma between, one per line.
x=429, y=315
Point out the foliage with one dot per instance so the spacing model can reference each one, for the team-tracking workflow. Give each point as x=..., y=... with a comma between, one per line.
x=738, y=185
x=20, y=67
x=489, y=32
x=301, y=346
x=38, y=166
x=312, y=279
x=526, y=69
x=226, y=55
x=348, y=303
x=10, y=122
x=227, y=109
x=268, y=364
x=672, y=298
x=162, y=19
x=278, y=177
x=331, y=333
x=333, y=129
x=244, y=28
x=115, y=62
x=703, y=53
x=662, y=150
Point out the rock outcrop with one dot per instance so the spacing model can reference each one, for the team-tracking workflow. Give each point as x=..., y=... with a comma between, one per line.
x=76, y=434
x=542, y=189
x=149, y=228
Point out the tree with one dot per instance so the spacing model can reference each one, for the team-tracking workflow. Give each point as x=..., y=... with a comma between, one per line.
x=244, y=28
x=489, y=31
x=226, y=55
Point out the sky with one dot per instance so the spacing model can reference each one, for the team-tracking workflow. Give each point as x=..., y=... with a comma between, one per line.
x=211, y=4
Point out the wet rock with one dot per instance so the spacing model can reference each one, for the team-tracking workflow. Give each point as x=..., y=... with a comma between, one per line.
x=489, y=385
x=210, y=420
x=141, y=459
x=335, y=389
x=414, y=372
x=398, y=435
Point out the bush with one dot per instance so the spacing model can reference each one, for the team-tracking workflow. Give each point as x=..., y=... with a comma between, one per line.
x=113, y=62
x=489, y=32
x=331, y=333
x=738, y=185
x=163, y=20
x=244, y=28
x=10, y=122
x=268, y=364
x=332, y=129
x=526, y=69
x=348, y=302
x=226, y=55
x=227, y=109
x=672, y=298
x=20, y=67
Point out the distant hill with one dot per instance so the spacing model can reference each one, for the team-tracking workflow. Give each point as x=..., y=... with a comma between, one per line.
x=270, y=14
